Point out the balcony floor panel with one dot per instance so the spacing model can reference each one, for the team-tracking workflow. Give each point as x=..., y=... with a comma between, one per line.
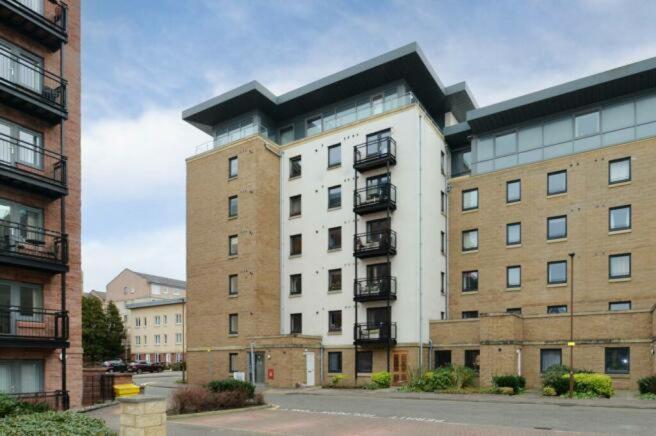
x=31, y=182
x=39, y=264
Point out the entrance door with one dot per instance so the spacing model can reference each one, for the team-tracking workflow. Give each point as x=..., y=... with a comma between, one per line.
x=400, y=367
x=259, y=368
x=309, y=368
x=5, y=312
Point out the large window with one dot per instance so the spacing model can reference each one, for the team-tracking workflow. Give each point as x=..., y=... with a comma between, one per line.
x=232, y=206
x=313, y=125
x=557, y=272
x=334, y=238
x=470, y=240
x=286, y=134
x=233, y=284
x=295, y=284
x=295, y=245
x=334, y=156
x=469, y=281
x=550, y=357
x=334, y=361
x=335, y=321
x=513, y=234
x=28, y=298
x=295, y=167
x=296, y=323
x=619, y=266
x=470, y=199
x=619, y=170
x=335, y=279
x=295, y=205
x=557, y=182
x=586, y=124
x=442, y=358
x=472, y=359
x=364, y=361
x=514, y=276
x=233, y=245
x=19, y=145
x=233, y=167
x=334, y=196
x=619, y=218
x=233, y=323
x=557, y=227
x=513, y=191
x=21, y=376
x=618, y=360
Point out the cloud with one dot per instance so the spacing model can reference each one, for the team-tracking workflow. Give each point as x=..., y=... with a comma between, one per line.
x=160, y=251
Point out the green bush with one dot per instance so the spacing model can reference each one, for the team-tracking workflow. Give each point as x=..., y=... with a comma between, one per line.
x=548, y=391
x=53, y=423
x=446, y=377
x=178, y=366
x=516, y=382
x=463, y=377
x=597, y=384
x=231, y=384
x=334, y=380
x=647, y=385
x=9, y=406
x=381, y=379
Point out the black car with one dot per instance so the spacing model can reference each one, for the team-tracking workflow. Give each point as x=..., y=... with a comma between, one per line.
x=115, y=365
x=140, y=366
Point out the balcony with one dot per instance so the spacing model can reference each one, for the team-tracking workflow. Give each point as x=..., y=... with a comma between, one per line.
x=28, y=87
x=374, y=154
x=29, y=327
x=374, y=199
x=30, y=167
x=371, y=244
x=44, y=22
x=33, y=247
x=382, y=333
x=377, y=289
x=56, y=400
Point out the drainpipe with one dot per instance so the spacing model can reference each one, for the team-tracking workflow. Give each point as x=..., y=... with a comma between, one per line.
x=420, y=317
x=430, y=354
x=252, y=364
x=281, y=244
x=321, y=364
x=519, y=362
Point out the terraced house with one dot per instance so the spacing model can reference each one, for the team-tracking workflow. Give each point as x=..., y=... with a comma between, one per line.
x=40, y=278
x=378, y=220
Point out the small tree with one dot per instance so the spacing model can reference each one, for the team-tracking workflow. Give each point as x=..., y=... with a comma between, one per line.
x=94, y=329
x=115, y=332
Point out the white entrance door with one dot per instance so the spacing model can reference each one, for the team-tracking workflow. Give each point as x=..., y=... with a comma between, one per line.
x=309, y=368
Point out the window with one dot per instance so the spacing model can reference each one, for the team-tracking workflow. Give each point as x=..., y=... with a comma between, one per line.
x=619, y=218
x=334, y=238
x=232, y=206
x=442, y=358
x=514, y=310
x=460, y=161
x=442, y=202
x=334, y=156
x=557, y=227
x=505, y=144
x=137, y=340
x=21, y=376
x=557, y=272
x=296, y=323
x=295, y=167
x=295, y=284
x=178, y=318
x=334, y=196
x=137, y=322
x=286, y=134
x=335, y=279
x=158, y=320
x=295, y=245
x=295, y=205
x=166, y=338
x=619, y=266
x=513, y=234
x=586, y=124
x=470, y=199
x=145, y=321
x=233, y=167
x=469, y=281
x=233, y=320
x=513, y=191
x=233, y=245
x=178, y=337
x=166, y=319
x=618, y=360
x=334, y=361
x=233, y=284
x=442, y=242
x=514, y=276
x=442, y=282
x=557, y=182
x=443, y=162
x=619, y=170
x=557, y=309
x=550, y=357
x=232, y=362
x=470, y=240
x=619, y=305
x=145, y=340
x=313, y=125
x=158, y=340
x=364, y=361
x=470, y=314
x=472, y=359
x=335, y=321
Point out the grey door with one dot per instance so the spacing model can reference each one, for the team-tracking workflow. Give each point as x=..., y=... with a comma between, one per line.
x=259, y=368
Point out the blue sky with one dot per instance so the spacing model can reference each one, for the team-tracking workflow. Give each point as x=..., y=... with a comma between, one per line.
x=145, y=61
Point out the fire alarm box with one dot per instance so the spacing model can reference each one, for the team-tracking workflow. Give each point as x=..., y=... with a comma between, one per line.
x=270, y=374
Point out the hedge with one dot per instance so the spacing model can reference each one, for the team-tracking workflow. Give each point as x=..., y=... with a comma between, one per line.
x=53, y=423
x=381, y=379
x=231, y=384
x=647, y=385
x=516, y=382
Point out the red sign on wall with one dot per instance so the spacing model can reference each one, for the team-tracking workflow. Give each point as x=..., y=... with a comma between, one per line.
x=270, y=374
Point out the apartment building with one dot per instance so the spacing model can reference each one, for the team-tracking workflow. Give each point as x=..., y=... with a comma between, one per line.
x=134, y=294
x=40, y=277
x=157, y=330
x=318, y=241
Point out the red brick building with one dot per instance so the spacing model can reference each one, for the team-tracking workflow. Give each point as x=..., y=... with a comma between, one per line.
x=40, y=277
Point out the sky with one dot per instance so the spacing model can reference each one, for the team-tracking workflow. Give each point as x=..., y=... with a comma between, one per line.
x=145, y=61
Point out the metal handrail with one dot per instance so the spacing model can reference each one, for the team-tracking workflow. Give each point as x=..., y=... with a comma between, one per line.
x=58, y=16
x=374, y=240
x=380, y=331
x=40, y=161
x=37, y=242
x=376, y=194
x=33, y=323
x=378, y=287
x=374, y=149
x=56, y=400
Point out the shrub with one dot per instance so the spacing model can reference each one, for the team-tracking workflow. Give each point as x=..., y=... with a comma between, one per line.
x=227, y=399
x=10, y=407
x=231, y=384
x=516, y=382
x=647, y=385
x=597, y=384
x=505, y=390
x=553, y=377
x=334, y=380
x=258, y=399
x=548, y=391
x=463, y=377
x=178, y=366
x=53, y=423
x=446, y=377
x=441, y=378
x=190, y=399
x=381, y=379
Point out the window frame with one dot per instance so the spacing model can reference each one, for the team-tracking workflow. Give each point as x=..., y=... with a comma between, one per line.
x=337, y=146
x=508, y=183
x=298, y=197
x=334, y=271
x=230, y=278
x=312, y=118
x=518, y=242
x=628, y=365
x=232, y=365
x=619, y=229
x=477, y=353
x=358, y=367
x=230, y=199
x=553, y=306
x=298, y=288
x=331, y=237
x=595, y=111
x=331, y=328
x=622, y=159
x=556, y=238
x=299, y=318
x=335, y=206
x=292, y=161
x=230, y=161
x=331, y=369
x=468, y=191
x=553, y=262
x=624, y=276
x=231, y=317
x=508, y=285
x=291, y=244
x=437, y=362
x=611, y=303
x=463, y=289
x=293, y=130
x=542, y=350
x=463, y=241
x=231, y=245
x=554, y=173
x=443, y=202
x=442, y=242
x=469, y=314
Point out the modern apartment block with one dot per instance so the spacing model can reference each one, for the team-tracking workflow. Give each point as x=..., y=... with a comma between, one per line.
x=318, y=241
x=40, y=276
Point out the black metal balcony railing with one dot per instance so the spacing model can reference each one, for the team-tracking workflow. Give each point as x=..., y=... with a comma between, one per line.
x=27, y=164
x=374, y=154
x=56, y=400
x=375, y=289
x=374, y=198
x=370, y=244
x=25, y=245
x=375, y=333
x=26, y=324
x=45, y=22
x=28, y=86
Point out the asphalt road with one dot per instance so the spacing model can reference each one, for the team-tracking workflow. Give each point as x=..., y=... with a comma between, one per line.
x=161, y=384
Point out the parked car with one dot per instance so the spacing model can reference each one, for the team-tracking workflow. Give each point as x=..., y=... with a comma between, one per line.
x=116, y=365
x=140, y=366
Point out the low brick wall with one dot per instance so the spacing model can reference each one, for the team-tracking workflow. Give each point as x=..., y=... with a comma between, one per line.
x=143, y=415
